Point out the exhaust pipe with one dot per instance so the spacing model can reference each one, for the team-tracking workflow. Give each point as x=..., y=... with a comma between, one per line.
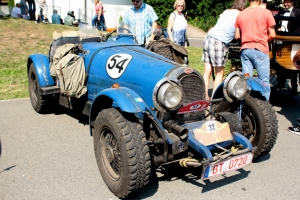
x=172, y=127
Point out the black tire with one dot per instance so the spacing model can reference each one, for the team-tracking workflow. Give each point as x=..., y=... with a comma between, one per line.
x=274, y=130
x=259, y=123
x=122, y=153
x=40, y=103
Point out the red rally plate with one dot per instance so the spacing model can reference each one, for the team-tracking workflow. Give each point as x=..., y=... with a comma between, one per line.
x=194, y=106
x=224, y=166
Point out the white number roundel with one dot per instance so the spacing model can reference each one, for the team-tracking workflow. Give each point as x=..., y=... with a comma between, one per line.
x=117, y=64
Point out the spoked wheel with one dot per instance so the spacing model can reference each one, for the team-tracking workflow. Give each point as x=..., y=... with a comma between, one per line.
x=259, y=122
x=122, y=153
x=110, y=154
x=39, y=102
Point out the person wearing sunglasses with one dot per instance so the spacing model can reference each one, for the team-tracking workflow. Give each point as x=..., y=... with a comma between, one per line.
x=141, y=19
x=177, y=24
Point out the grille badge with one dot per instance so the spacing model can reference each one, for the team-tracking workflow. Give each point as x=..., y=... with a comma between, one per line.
x=188, y=70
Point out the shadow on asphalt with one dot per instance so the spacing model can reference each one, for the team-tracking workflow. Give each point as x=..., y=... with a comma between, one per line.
x=82, y=119
x=288, y=105
x=174, y=172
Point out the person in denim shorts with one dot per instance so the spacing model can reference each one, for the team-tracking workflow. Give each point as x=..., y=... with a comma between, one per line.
x=255, y=26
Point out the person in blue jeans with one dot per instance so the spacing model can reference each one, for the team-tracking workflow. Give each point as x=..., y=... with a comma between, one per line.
x=98, y=20
x=255, y=26
x=31, y=8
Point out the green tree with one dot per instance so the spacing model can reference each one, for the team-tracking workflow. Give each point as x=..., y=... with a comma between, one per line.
x=163, y=9
x=203, y=14
x=208, y=12
x=11, y=3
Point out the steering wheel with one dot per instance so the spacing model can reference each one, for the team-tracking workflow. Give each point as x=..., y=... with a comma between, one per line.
x=122, y=29
x=107, y=35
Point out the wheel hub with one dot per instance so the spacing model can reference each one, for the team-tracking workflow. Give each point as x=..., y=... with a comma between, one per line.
x=247, y=126
x=109, y=154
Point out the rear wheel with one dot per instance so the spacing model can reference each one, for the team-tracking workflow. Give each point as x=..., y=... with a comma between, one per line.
x=259, y=123
x=122, y=153
x=40, y=103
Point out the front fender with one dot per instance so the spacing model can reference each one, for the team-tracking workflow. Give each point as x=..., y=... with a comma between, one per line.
x=124, y=98
x=42, y=68
x=254, y=83
x=257, y=85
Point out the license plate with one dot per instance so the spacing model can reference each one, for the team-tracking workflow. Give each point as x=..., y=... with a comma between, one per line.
x=224, y=166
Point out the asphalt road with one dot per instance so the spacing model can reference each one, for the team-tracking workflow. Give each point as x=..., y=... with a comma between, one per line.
x=196, y=42
x=51, y=157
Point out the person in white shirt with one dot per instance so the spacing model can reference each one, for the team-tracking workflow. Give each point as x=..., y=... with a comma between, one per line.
x=289, y=11
x=41, y=8
x=16, y=12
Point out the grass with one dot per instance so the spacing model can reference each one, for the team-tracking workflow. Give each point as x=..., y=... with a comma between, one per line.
x=195, y=58
x=21, y=38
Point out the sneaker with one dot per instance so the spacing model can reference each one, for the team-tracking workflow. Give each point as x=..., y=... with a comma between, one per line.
x=295, y=129
x=45, y=21
x=298, y=121
x=36, y=22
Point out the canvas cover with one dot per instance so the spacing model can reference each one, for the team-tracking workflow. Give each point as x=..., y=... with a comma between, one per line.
x=169, y=49
x=69, y=69
x=57, y=35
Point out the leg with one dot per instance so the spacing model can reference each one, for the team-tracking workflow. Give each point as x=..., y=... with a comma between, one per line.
x=219, y=77
x=30, y=10
x=38, y=14
x=262, y=65
x=294, y=84
x=247, y=66
x=280, y=80
x=207, y=65
x=206, y=76
x=218, y=55
x=45, y=12
x=102, y=23
x=94, y=20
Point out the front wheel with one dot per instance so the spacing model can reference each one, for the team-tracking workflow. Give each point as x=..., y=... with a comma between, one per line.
x=259, y=122
x=122, y=153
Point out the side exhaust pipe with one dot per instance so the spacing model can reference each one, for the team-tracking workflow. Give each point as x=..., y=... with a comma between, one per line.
x=172, y=127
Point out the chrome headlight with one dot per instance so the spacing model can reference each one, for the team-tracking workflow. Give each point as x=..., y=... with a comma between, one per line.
x=236, y=87
x=170, y=96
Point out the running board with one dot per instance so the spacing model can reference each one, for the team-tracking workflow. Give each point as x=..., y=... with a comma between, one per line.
x=49, y=90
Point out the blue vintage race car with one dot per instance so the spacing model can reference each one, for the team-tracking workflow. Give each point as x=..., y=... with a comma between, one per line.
x=146, y=110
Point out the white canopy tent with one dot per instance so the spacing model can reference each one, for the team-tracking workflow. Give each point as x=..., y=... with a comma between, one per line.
x=85, y=9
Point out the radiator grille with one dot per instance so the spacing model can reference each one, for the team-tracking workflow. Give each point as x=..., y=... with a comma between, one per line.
x=193, y=90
